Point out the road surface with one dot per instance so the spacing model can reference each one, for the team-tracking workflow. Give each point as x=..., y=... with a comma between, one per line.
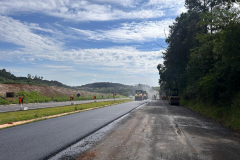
x=42, y=139
x=160, y=131
x=16, y=107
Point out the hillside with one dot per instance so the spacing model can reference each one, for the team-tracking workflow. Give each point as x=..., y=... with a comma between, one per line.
x=9, y=78
x=12, y=83
x=40, y=94
x=109, y=88
x=48, y=91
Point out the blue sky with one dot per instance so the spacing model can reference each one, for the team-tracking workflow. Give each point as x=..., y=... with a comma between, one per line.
x=78, y=41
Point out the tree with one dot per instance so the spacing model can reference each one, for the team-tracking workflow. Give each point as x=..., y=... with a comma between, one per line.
x=181, y=40
x=202, y=58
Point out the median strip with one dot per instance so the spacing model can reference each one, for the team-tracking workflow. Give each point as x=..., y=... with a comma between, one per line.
x=9, y=119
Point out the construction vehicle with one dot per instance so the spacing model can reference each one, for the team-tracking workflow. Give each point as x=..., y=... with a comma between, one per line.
x=145, y=96
x=138, y=95
x=173, y=97
x=163, y=97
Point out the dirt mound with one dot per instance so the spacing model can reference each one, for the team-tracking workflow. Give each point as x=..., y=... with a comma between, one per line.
x=49, y=91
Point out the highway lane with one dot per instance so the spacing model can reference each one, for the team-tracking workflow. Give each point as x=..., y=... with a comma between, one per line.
x=16, y=107
x=159, y=131
x=41, y=139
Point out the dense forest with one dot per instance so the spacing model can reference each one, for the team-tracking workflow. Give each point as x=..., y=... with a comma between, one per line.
x=9, y=78
x=107, y=87
x=202, y=59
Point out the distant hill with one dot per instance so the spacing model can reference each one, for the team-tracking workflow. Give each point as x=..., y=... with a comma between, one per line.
x=9, y=78
x=108, y=88
x=101, y=87
x=156, y=88
x=47, y=91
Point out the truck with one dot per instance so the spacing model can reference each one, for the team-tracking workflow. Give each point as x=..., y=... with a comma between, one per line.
x=173, y=97
x=138, y=95
x=163, y=97
x=145, y=95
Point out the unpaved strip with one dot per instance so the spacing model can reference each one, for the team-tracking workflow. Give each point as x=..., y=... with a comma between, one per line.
x=160, y=131
x=147, y=133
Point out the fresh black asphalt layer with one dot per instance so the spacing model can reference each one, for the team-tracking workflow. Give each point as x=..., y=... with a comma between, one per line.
x=173, y=133
x=40, y=140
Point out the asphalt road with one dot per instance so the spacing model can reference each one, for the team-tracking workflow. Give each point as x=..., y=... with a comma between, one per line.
x=159, y=131
x=16, y=107
x=42, y=139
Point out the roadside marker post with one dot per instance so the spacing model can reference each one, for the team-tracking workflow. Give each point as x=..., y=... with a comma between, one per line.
x=21, y=102
x=114, y=94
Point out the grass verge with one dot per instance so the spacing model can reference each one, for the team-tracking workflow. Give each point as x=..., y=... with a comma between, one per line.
x=227, y=116
x=9, y=117
x=35, y=97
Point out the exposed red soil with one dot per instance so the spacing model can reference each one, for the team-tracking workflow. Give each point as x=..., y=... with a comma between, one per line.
x=87, y=156
x=49, y=91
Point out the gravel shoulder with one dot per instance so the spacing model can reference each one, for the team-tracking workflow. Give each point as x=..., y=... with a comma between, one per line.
x=161, y=131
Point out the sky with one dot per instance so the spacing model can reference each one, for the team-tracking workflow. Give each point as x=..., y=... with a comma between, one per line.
x=84, y=41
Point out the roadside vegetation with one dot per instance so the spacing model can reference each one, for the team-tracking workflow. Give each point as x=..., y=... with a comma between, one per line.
x=7, y=77
x=202, y=59
x=4, y=101
x=9, y=117
x=225, y=115
x=35, y=97
x=108, y=88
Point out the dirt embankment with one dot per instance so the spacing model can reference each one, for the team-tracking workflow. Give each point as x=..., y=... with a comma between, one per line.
x=49, y=91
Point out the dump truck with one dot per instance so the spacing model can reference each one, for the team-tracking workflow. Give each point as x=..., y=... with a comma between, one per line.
x=138, y=95
x=145, y=95
x=173, y=97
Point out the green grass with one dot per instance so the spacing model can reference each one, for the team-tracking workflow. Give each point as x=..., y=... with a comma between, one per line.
x=38, y=113
x=35, y=97
x=227, y=116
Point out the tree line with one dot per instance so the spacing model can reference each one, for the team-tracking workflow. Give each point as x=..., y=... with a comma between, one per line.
x=8, y=78
x=109, y=88
x=202, y=59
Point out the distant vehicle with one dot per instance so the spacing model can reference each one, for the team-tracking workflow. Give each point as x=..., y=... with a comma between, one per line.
x=173, y=97
x=138, y=95
x=145, y=96
x=130, y=96
x=163, y=97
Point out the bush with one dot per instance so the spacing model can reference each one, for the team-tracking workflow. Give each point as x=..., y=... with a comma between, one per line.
x=4, y=102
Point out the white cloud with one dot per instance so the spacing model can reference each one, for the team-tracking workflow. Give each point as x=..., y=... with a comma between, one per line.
x=21, y=34
x=128, y=59
x=58, y=67
x=171, y=7
x=95, y=10
x=128, y=32
x=165, y=2
x=128, y=63
x=36, y=46
x=126, y=3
